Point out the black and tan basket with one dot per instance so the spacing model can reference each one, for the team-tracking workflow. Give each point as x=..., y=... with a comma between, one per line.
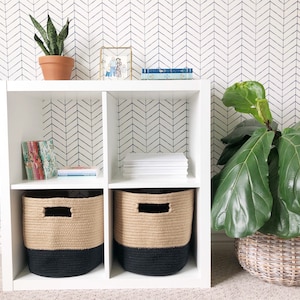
x=270, y=258
x=152, y=230
x=63, y=236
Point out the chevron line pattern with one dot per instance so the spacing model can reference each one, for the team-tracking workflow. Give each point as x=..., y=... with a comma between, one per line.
x=225, y=41
x=75, y=125
x=152, y=125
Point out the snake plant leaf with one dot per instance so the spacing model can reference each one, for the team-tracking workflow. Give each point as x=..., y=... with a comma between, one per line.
x=243, y=200
x=62, y=36
x=289, y=169
x=243, y=97
x=41, y=44
x=40, y=29
x=52, y=35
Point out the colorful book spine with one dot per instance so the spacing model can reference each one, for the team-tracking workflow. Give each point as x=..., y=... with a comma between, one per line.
x=166, y=76
x=39, y=159
x=163, y=70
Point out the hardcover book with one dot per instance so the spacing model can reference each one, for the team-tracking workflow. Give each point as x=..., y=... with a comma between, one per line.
x=46, y=150
x=78, y=171
x=166, y=76
x=39, y=159
x=32, y=160
x=163, y=70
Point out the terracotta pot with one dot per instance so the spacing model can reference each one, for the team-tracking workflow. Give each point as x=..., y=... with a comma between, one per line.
x=56, y=67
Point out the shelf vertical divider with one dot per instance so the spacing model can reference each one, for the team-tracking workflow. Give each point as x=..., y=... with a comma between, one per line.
x=204, y=199
x=110, y=166
x=7, y=260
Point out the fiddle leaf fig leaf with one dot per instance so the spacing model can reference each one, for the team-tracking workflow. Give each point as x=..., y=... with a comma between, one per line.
x=297, y=126
x=289, y=169
x=263, y=110
x=243, y=200
x=248, y=97
x=283, y=222
x=244, y=128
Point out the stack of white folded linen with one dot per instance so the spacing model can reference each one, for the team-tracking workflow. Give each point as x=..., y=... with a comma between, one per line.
x=155, y=164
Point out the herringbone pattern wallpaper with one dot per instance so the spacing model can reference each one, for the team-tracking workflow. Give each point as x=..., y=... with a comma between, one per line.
x=226, y=41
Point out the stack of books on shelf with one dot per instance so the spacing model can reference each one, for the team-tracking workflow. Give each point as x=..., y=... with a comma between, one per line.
x=78, y=171
x=137, y=165
x=158, y=74
x=39, y=159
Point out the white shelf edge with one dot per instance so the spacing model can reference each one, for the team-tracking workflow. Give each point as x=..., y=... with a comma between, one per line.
x=78, y=182
x=153, y=182
x=98, y=85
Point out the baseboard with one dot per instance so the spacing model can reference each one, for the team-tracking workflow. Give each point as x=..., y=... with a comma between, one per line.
x=221, y=237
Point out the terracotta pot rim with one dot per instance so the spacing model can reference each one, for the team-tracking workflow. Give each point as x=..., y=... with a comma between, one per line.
x=51, y=58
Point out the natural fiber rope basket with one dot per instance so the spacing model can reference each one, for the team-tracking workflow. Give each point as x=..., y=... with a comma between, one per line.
x=63, y=236
x=152, y=229
x=270, y=258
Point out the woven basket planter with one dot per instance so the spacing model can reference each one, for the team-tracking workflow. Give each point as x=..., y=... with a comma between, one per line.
x=270, y=258
x=63, y=236
x=152, y=230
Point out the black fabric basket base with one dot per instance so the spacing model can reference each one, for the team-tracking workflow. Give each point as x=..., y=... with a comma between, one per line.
x=152, y=261
x=64, y=263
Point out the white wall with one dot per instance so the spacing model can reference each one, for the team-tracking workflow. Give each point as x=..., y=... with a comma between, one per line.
x=226, y=41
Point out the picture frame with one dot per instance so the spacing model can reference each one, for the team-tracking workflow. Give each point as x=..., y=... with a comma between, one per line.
x=115, y=63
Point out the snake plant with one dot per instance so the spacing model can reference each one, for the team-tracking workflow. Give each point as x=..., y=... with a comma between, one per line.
x=52, y=43
x=258, y=188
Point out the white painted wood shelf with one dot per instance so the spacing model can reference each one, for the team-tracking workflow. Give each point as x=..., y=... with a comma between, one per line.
x=21, y=119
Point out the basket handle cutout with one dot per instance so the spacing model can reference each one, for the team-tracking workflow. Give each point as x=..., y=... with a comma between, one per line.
x=153, y=208
x=58, y=211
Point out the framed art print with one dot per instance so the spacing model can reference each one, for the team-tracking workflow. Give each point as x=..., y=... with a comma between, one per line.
x=116, y=63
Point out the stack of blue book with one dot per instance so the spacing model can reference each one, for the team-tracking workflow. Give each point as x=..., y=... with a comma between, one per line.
x=160, y=73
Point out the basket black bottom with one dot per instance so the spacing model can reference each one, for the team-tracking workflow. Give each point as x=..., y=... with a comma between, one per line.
x=64, y=263
x=152, y=261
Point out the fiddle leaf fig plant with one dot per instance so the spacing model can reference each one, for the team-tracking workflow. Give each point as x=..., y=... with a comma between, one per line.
x=52, y=43
x=258, y=188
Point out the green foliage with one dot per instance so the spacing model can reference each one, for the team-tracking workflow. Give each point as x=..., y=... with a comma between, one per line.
x=51, y=42
x=258, y=188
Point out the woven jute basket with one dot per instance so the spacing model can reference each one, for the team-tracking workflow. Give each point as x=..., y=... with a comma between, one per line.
x=270, y=258
x=152, y=229
x=63, y=236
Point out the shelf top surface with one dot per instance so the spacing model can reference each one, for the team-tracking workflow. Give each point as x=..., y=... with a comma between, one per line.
x=100, y=85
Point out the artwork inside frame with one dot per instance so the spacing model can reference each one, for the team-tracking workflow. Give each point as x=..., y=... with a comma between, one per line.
x=116, y=63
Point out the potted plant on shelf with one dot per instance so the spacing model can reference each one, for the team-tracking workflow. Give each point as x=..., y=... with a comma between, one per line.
x=54, y=65
x=256, y=195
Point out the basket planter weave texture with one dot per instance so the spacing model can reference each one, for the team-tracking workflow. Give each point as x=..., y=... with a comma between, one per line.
x=270, y=258
x=63, y=236
x=152, y=230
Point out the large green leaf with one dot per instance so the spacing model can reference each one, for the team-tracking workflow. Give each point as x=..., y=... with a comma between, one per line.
x=239, y=135
x=248, y=97
x=243, y=201
x=289, y=169
x=283, y=222
x=244, y=128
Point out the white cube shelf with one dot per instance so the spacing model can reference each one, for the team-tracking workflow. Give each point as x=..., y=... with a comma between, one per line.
x=140, y=104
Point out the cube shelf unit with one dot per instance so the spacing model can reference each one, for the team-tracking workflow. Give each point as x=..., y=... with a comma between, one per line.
x=21, y=109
